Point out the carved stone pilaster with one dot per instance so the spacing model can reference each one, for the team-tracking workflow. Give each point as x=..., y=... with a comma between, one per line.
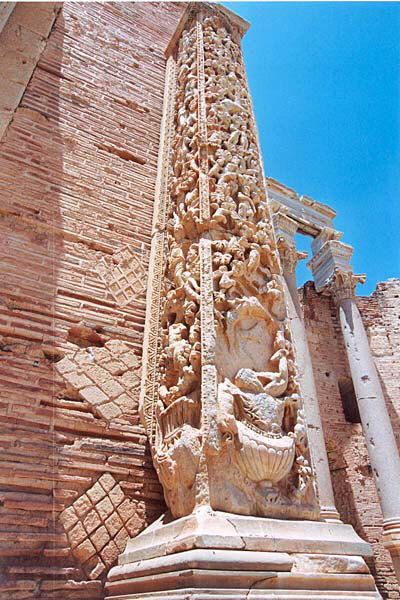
x=220, y=396
x=221, y=399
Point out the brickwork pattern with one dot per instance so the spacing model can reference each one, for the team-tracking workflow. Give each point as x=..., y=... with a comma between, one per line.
x=124, y=274
x=78, y=165
x=355, y=492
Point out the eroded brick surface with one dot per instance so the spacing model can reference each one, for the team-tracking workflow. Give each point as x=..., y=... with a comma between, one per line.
x=78, y=166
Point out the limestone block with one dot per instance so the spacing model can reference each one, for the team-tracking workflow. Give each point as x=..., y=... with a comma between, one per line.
x=38, y=19
x=212, y=529
x=213, y=555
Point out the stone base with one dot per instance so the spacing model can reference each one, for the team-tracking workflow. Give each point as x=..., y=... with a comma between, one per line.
x=218, y=556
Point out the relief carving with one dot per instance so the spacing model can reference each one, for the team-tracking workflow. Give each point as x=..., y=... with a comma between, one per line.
x=229, y=429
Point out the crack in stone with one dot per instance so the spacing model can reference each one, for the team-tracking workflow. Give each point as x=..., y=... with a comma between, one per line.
x=259, y=581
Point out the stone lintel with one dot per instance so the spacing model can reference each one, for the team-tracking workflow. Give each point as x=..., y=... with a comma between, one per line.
x=241, y=24
x=311, y=216
x=284, y=225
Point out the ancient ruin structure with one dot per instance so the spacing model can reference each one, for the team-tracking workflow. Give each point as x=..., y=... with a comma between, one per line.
x=180, y=421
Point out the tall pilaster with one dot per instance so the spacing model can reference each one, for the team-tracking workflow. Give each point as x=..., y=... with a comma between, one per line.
x=334, y=275
x=221, y=399
x=285, y=229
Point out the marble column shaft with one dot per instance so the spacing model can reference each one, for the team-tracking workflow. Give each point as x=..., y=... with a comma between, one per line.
x=313, y=415
x=378, y=431
x=289, y=258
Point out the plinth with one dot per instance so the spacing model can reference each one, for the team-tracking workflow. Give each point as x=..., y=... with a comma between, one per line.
x=212, y=555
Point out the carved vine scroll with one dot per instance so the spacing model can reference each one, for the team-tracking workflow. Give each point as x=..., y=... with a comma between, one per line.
x=220, y=397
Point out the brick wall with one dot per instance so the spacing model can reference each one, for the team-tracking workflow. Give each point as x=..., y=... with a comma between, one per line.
x=77, y=175
x=355, y=493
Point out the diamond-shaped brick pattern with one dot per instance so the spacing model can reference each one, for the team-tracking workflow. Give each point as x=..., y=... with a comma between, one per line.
x=98, y=525
x=124, y=274
x=107, y=379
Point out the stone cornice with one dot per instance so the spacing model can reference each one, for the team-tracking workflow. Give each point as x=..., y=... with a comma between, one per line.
x=311, y=216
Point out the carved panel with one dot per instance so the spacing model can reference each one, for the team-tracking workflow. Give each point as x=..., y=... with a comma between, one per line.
x=221, y=401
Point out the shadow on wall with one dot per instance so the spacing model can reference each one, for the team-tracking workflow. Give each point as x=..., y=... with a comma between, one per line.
x=31, y=171
x=77, y=478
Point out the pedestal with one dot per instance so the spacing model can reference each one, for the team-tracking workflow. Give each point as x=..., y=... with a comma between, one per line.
x=219, y=556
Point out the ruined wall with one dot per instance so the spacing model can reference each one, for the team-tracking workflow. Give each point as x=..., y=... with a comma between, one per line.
x=78, y=164
x=355, y=493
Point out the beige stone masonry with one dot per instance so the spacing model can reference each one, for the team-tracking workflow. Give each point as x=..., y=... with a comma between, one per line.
x=106, y=378
x=125, y=274
x=99, y=523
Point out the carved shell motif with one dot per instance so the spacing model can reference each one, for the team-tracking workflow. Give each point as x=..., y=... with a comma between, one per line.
x=262, y=458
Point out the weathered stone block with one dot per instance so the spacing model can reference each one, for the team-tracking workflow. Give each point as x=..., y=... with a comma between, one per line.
x=76, y=535
x=109, y=554
x=85, y=551
x=104, y=508
x=69, y=518
x=109, y=411
x=116, y=496
x=93, y=395
x=82, y=505
x=100, y=538
x=126, y=510
x=91, y=521
x=96, y=493
x=113, y=524
x=107, y=481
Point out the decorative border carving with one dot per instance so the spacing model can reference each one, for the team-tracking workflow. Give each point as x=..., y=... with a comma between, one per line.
x=157, y=261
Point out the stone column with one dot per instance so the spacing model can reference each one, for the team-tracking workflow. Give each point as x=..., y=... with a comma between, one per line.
x=285, y=229
x=333, y=258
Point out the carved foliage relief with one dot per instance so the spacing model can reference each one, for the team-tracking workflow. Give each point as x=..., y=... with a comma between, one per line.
x=220, y=397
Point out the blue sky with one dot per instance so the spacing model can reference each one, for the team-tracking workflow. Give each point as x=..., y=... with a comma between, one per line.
x=325, y=81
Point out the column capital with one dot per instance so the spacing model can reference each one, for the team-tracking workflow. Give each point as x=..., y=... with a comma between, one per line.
x=285, y=230
x=288, y=254
x=342, y=284
x=237, y=24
